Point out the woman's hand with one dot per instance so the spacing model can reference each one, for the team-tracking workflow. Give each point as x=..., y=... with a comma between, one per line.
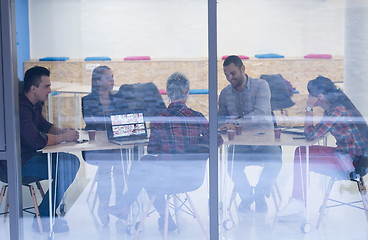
x=312, y=101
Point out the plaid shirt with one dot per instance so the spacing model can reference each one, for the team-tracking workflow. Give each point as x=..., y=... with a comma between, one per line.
x=338, y=120
x=177, y=129
x=33, y=127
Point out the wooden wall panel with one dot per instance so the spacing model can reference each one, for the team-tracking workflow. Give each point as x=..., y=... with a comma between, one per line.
x=297, y=70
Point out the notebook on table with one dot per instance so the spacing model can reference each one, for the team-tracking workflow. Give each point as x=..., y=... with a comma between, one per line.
x=126, y=127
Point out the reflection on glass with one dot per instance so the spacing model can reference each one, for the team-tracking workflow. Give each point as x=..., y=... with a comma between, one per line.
x=320, y=129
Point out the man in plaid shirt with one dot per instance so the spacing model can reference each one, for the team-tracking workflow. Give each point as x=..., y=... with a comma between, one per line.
x=175, y=162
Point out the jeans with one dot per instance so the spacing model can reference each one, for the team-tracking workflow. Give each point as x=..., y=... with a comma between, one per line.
x=68, y=167
x=269, y=157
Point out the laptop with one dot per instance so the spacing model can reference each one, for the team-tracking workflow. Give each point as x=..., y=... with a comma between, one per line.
x=126, y=127
x=294, y=130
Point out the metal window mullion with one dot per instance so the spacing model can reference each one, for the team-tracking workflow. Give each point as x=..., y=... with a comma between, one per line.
x=212, y=100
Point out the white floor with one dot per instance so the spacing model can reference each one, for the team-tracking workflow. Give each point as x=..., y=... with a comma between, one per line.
x=339, y=223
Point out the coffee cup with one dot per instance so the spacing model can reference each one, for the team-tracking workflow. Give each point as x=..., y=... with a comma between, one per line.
x=231, y=134
x=238, y=129
x=277, y=133
x=92, y=135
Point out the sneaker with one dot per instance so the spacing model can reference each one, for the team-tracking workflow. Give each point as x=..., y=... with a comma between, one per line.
x=293, y=211
x=261, y=204
x=60, y=225
x=171, y=226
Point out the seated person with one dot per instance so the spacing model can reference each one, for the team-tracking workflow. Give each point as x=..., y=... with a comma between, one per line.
x=94, y=106
x=343, y=120
x=176, y=131
x=36, y=133
x=247, y=101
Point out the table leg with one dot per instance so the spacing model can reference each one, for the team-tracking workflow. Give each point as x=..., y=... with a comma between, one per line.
x=49, y=173
x=306, y=227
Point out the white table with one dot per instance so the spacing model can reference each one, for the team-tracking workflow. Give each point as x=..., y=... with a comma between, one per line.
x=264, y=137
x=101, y=143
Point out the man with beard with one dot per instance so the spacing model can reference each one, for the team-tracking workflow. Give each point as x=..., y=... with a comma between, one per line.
x=246, y=101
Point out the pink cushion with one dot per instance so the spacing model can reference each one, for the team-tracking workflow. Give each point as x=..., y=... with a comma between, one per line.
x=162, y=91
x=240, y=56
x=137, y=58
x=320, y=56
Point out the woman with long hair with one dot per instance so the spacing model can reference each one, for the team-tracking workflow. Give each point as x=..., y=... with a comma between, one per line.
x=94, y=107
x=345, y=123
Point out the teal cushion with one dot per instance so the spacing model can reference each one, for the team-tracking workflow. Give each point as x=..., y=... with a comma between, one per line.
x=54, y=59
x=97, y=59
x=269, y=55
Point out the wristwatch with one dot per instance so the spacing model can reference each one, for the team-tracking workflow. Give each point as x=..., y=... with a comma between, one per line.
x=309, y=109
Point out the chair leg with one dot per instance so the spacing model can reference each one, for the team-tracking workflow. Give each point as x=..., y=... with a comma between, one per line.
x=94, y=181
x=2, y=193
x=6, y=209
x=177, y=221
x=325, y=200
x=143, y=218
x=276, y=196
x=363, y=193
x=166, y=222
x=204, y=230
x=228, y=209
x=35, y=204
x=40, y=189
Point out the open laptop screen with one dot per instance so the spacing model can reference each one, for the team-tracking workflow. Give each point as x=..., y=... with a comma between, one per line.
x=127, y=125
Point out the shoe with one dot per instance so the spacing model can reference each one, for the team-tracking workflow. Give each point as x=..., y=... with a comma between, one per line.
x=119, y=212
x=261, y=204
x=171, y=226
x=294, y=211
x=103, y=214
x=244, y=206
x=60, y=225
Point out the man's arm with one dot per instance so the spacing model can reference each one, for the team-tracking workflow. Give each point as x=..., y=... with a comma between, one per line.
x=57, y=135
x=154, y=144
x=223, y=113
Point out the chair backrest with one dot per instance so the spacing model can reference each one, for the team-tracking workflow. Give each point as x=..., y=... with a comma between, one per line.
x=280, y=96
x=187, y=170
x=145, y=96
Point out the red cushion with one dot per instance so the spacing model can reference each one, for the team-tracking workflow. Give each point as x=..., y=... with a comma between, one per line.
x=240, y=56
x=137, y=58
x=320, y=56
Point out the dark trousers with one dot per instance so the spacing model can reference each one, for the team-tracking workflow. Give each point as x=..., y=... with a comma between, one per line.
x=269, y=157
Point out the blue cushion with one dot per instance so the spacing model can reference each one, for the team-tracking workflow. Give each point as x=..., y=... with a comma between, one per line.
x=54, y=59
x=269, y=55
x=97, y=59
x=198, y=91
